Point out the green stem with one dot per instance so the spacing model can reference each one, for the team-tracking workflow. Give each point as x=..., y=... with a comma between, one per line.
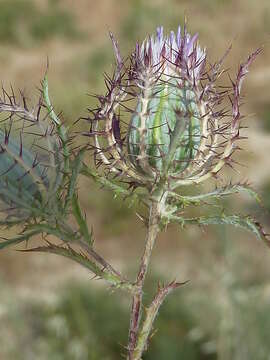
x=136, y=309
x=151, y=313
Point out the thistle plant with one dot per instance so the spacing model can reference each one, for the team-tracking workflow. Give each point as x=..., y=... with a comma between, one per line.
x=164, y=126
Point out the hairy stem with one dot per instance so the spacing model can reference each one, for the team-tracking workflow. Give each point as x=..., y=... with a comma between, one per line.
x=150, y=315
x=136, y=309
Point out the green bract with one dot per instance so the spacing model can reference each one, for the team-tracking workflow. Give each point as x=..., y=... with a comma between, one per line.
x=167, y=139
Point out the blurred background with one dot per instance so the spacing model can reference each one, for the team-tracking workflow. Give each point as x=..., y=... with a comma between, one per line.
x=49, y=307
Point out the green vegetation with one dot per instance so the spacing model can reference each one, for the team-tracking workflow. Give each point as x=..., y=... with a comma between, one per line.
x=22, y=22
x=264, y=116
x=143, y=18
x=85, y=324
x=90, y=324
x=98, y=61
x=266, y=193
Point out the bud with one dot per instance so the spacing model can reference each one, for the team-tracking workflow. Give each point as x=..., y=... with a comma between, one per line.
x=165, y=128
x=29, y=158
x=164, y=119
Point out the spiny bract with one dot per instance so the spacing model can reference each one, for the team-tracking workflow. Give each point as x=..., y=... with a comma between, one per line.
x=163, y=118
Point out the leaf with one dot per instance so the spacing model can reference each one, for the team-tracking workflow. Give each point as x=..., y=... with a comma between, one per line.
x=68, y=252
x=216, y=194
x=9, y=222
x=117, y=189
x=61, y=129
x=18, y=239
x=21, y=177
x=109, y=184
x=81, y=220
x=45, y=91
x=31, y=161
x=58, y=232
x=76, y=168
x=244, y=222
x=81, y=259
x=23, y=205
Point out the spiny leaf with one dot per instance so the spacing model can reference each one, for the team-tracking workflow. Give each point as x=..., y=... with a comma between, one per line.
x=238, y=188
x=30, y=155
x=61, y=129
x=9, y=222
x=216, y=194
x=45, y=88
x=117, y=189
x=76, y=168
x=80, y=218
x=58, y=232
x=19, y=171
x=24, y=204
x=109, y=184
x=68, y=252
x=18, y=239
x=244, y=222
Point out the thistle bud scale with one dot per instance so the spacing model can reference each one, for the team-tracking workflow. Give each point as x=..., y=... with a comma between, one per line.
x=168, y=106
x=164, y=118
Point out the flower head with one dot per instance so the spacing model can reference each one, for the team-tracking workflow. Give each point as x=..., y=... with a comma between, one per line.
x=164, y=119
x=169, y=52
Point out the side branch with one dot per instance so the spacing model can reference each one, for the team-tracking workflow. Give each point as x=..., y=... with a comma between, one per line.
x=151, y=313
